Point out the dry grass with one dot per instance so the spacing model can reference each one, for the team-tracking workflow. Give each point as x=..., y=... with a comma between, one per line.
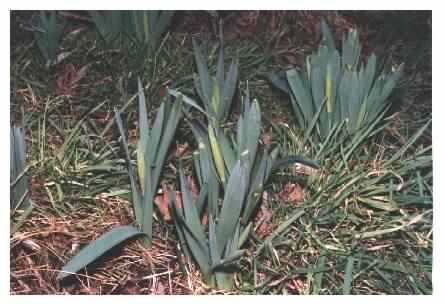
x=48, y=240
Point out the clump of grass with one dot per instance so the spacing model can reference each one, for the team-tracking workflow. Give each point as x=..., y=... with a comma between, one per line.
x=357, y=229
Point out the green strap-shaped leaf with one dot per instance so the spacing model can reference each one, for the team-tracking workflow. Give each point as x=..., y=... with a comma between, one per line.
x=167, y=137
x=240, y=135
x=369, y=73
x=232, y=205
x=177, y=216
x=200, y=201
x=317, y=281
x=220, y=70
x=279, y=80
x=19, y=184
x=284, y=162
x=328, y=89
x=344, y=93
x=227, y=151
x=163, y=22
x=348, y=276
x=244, y=235
x=229, y=87
x=215, y=100
x=215, y=253
x=97, y=248
x=256, y=187
x=312, y=123
x=213, y=195
x=197, y=168
x=229, y=259
x=207, y=105
x=327, y=37
x=144, y=133
x=156, y=135
x=192, y=228
x=204, y=75
x=354, y=104
x=302, y=95
x=136, y=194
x=217, y=154
x=351, y=49
x=205, y=158
x=253, y=130
x=334, y=63
x=190, y=211
x=147, y=201
x=186, y=100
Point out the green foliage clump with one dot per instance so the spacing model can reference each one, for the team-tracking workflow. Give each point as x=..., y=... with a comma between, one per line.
x=216, y=92
x=232, y=172
x=48, y=33
x=137, y=33
x=336, y=88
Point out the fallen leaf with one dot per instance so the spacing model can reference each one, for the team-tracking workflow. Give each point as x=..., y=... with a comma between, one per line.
x=69, y=80
x=158, y=288
x=291, y=193
x=162, y=92
x=266, y=139
x=193, y=188
x=181, y=150
x=161, y=200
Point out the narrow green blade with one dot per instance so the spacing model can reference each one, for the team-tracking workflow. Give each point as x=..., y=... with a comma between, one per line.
x=230, y=87
x=190, y=211
x=232, y=205
x=166, y=140
x=348, y=277
x=409, y=143
x=200, y=201
x=302, y=95
x=97, y=248
x=327, y=37
x=215, y=253
x=136, y=194
x=156, y=134
x=317, y=283
x=204, y=75
x=186, y=100
x=253, y=130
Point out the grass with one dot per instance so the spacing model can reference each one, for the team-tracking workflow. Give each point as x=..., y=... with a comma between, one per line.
x=334, y=241
x=342, y=243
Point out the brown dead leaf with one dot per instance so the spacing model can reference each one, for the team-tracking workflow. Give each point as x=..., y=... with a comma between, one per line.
x=302, y=169
x=162, y=92
x=194, y=195
x=158, y=288
x=181, y=150
x=266, y=139
x=193, y=188
x=69, y=80
x=161, y=200
x=291, y=193
x=240, y=25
